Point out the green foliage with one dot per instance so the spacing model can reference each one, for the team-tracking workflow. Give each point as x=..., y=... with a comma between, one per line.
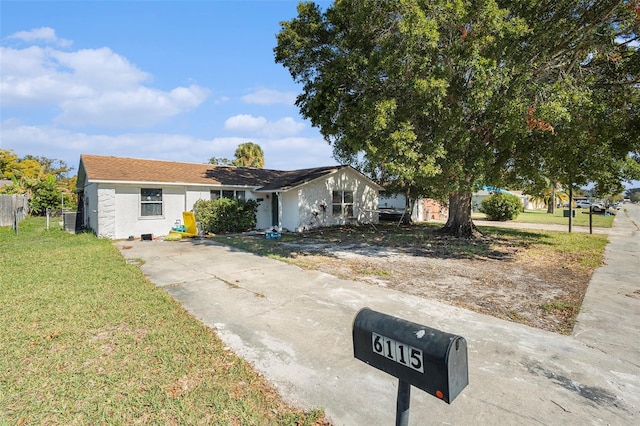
x=50, y=166
x=249, y=154
x=226, y=215
x=43, y=179
x=443, y=96
x=220, y=161
x=501, y=206
x=44, y=194
x=8, y=162
x=550, y=194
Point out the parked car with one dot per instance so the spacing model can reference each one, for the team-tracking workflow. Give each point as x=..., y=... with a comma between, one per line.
x=597, y=208
x=583, y=204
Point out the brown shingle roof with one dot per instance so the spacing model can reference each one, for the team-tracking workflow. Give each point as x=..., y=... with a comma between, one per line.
x=121, y=169
x=291, y=179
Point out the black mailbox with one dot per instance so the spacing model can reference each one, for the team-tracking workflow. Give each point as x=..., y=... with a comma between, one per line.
x=426, y=358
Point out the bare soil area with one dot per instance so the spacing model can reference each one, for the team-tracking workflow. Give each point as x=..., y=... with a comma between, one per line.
x=516, y=275
x=539, y=294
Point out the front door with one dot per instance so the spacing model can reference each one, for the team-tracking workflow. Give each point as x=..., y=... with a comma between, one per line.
x=274, y=210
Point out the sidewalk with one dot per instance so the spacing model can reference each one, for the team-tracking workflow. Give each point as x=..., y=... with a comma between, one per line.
x=610, y=316
x=295, y=327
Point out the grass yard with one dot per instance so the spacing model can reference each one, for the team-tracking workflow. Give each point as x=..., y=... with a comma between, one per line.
x=581, y=219
x=86, y=339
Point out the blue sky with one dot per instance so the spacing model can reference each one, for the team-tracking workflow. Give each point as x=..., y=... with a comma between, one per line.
x=170, y=80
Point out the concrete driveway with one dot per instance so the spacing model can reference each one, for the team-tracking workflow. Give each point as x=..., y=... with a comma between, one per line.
x=295, y=326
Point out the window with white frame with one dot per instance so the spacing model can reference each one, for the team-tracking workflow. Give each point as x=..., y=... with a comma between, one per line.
x=342, y=203
x=227, y=193
x=150, y=202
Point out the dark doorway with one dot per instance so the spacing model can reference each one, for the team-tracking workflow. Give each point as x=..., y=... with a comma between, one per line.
x=274, y=209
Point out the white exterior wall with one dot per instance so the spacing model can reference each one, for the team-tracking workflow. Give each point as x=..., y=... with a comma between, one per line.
x=289, y=210
x=91, y=207
x=392, y=201
x=476, y=200
x=263, y=216
x=129, y=222
x=113, y=210
x=194, y=194
x=314, y=202
x=106, y=211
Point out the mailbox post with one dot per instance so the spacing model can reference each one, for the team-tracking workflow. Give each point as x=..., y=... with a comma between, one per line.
x=420, y=356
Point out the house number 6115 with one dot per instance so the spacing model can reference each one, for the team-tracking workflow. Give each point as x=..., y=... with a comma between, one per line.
x=397, y=351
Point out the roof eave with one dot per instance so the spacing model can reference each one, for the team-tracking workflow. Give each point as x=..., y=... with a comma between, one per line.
x=138, y=182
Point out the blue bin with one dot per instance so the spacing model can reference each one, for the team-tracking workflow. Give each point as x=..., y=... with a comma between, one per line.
x=273, y=235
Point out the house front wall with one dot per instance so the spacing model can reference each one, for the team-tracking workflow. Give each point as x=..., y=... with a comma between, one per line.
x=263, y=215
x=114, y=210
x=128, y=218
x=288, y=205
x=311, y=205
x=195, y=194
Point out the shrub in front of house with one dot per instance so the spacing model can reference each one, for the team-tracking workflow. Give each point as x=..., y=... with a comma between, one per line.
x=501, y=206
x=226, y=215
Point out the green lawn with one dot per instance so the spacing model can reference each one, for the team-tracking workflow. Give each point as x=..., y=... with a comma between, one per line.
x=581, y=218
x=86, y=339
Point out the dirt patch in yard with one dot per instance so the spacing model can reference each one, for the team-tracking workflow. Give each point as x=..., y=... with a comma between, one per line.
x=540, y=294
x=533, y=278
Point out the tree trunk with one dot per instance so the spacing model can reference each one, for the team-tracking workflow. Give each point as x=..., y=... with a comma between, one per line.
x=459, y=223
x=551, y=208
x=408, y=209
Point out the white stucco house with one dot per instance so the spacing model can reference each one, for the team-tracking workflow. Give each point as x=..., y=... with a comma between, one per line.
x=121, y=197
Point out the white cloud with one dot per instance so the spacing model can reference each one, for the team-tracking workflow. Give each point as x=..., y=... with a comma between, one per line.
x=221, y=100
x=90, y=87
x=296, y=153
x=141, y=107
x=53, y=142
x=284, y=127
x=101, y=68
x=66, y=145
x=248, y=124
x=44, y=34
x=245, y=123
x=270, y=97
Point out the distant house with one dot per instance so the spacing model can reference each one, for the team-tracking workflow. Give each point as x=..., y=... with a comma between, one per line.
x=424, y=209
x=121, y=197
x=485, y=191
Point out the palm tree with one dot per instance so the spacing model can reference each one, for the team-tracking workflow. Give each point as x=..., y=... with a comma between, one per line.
x=551, y=196
x=249, y=154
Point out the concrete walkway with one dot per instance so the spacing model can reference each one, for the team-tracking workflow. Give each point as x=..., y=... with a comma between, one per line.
x=295, y=327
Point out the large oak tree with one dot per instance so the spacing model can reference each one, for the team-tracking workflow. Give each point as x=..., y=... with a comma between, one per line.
x=445, y=95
